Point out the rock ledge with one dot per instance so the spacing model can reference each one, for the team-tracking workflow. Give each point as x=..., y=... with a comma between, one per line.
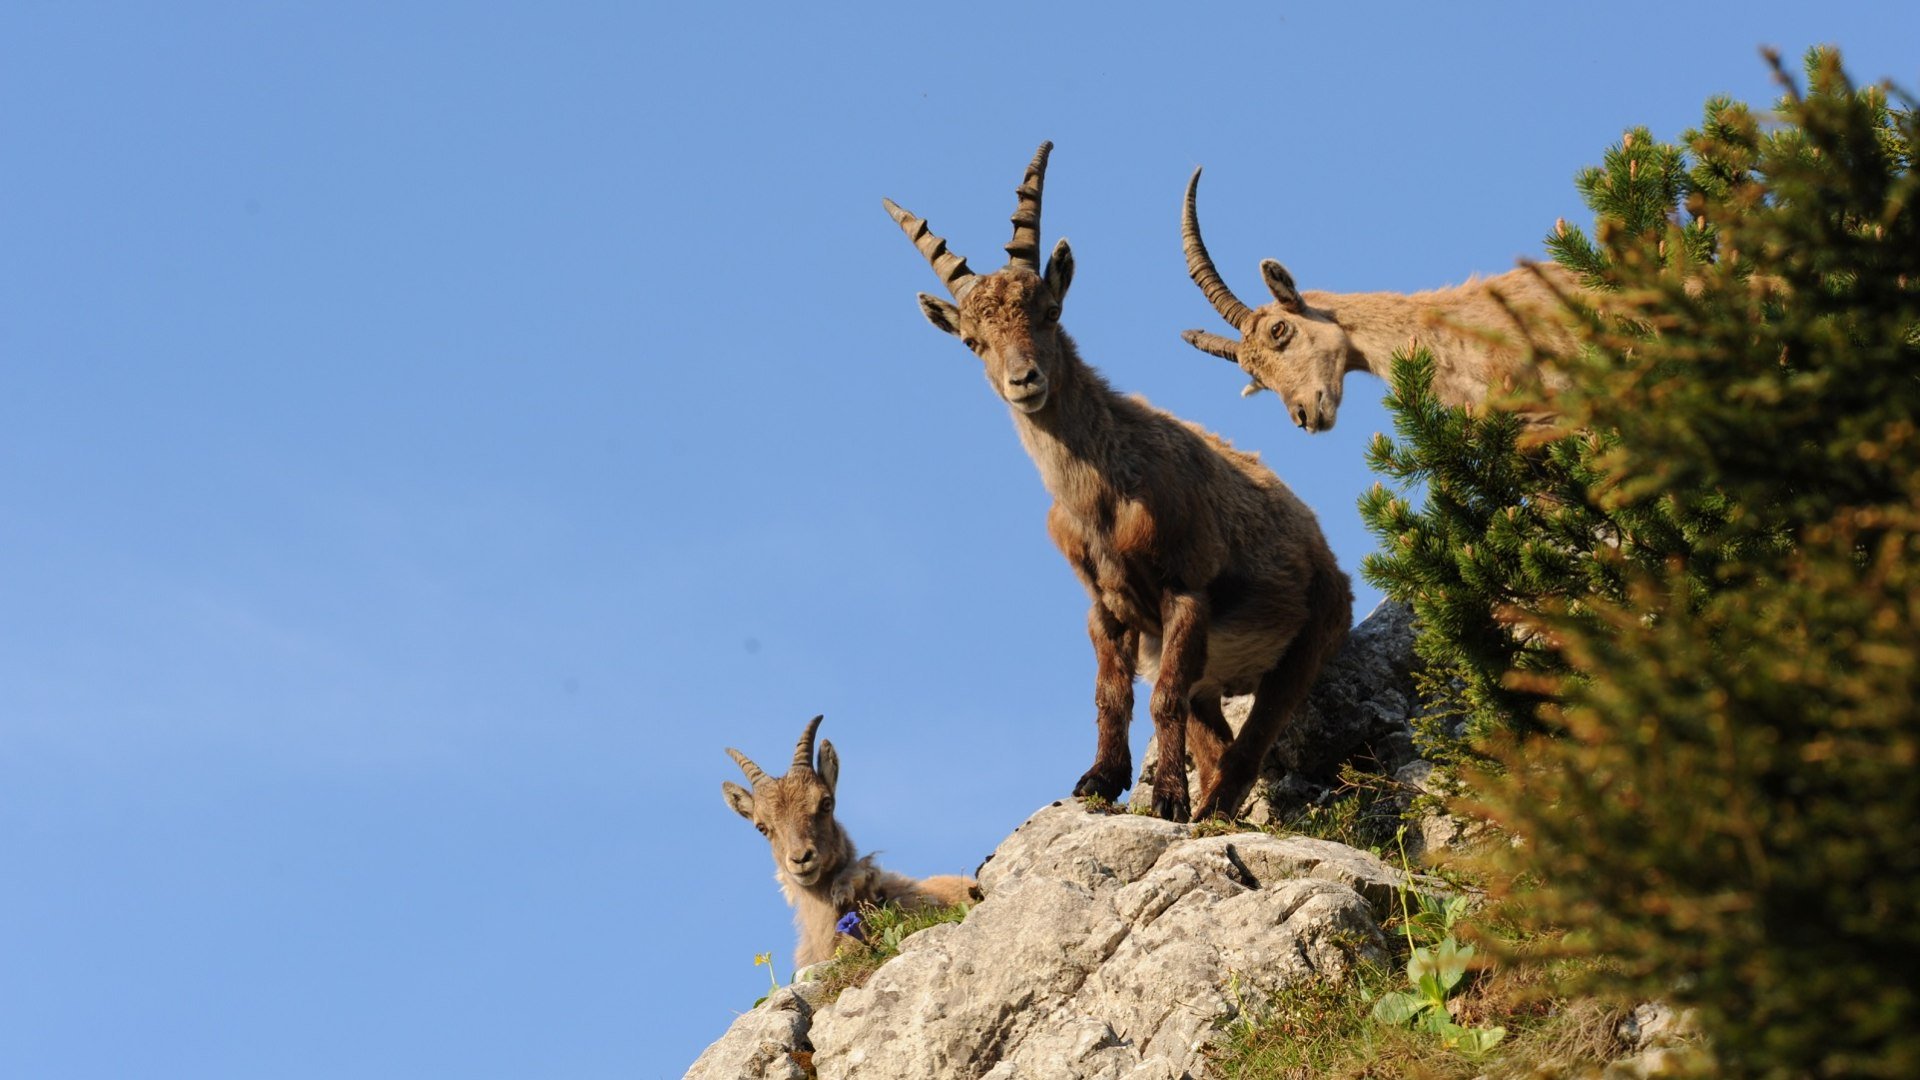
x=1109, y=946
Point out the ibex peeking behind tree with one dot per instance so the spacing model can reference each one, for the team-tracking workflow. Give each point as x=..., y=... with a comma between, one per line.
x=1302, y=345
x=1207, y=574
x=815, y=860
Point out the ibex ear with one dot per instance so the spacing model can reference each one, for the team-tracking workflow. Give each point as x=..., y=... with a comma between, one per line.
x=1059, y=273
x=1280, y=284
x=739, y=798
x=829, y=765
x=940, y=313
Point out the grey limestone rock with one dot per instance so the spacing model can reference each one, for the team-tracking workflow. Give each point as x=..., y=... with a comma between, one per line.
x=1434, y=830
x=760, y=1044
x=1108, y=946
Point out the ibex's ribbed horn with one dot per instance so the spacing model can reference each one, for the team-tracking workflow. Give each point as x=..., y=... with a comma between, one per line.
x=755, y=775
x=951, y=267
x=1200, y=264
x=803, y=753
x=1225, y=348
x=1024, y=248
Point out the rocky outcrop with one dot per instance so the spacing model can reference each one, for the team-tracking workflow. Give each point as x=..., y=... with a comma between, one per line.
x=1362, y=706
x=1114, y=946
x=1109, y=946
x=770, y=1041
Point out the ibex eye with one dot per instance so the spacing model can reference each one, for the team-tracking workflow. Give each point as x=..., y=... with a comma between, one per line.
x=971, y=344
x=1053, y=313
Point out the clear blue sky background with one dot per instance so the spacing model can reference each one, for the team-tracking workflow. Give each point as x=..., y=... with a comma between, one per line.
x=430, y=432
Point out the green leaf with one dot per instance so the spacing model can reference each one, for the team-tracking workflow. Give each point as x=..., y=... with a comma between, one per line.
x=1450, y=962
x=1398, y=1007
x=1436, y=1022
x=1476, y=1041
x=1419, y=965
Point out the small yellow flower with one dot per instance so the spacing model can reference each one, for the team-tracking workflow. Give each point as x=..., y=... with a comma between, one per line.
x=762, y=958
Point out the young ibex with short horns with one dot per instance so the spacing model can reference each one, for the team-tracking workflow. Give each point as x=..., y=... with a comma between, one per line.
x=1207, y=575
x=818, y=868
x=1302, y=345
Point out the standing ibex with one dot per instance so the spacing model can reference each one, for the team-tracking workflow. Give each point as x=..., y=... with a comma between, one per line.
x=1207, y=574
x=1303, y=344
x=817, y=865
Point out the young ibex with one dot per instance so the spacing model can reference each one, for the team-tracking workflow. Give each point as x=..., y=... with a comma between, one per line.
x=1207, y=574
x=1303, y=344
x=817, y=865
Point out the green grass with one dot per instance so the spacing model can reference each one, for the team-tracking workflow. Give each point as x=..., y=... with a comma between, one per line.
x=1317, y=1029
x=885, y=928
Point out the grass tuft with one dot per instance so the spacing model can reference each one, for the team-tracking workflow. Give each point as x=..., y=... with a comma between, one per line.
x=884, y=929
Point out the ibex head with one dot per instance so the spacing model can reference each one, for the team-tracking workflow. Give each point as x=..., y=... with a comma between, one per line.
x=1011, y=317
x=795, y=812
x=1289, y=348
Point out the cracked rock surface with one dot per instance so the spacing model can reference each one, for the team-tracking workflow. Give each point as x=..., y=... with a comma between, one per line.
x=1108, y=946
x=761, y=1043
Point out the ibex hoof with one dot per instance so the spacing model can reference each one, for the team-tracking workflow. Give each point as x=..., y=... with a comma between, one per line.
x=1102, y=783
x=1170, y=802
x=1214, y=807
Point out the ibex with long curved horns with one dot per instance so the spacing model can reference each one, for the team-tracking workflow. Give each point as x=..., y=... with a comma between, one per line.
x=817, y=866
x=1207, y=575
x=1302, y=344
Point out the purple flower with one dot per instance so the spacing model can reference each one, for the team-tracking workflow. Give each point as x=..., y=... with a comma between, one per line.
x=849, y=925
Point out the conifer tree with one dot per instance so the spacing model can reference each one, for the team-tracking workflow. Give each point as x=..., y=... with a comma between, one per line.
x=1707, y=588
x=1514, y=523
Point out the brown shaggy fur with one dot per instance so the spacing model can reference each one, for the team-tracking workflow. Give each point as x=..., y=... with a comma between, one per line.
x=1302, y=345
x=816, y=864
x=1207, y=574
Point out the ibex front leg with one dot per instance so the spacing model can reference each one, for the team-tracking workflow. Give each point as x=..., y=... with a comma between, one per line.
x=1183, y=660
x=1114, y=648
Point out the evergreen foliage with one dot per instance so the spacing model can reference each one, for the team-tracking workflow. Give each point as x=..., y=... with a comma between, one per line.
x=1705, y=586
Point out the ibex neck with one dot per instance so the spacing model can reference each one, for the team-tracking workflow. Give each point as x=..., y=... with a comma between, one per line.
x=1069, y=439
x=1377, y=325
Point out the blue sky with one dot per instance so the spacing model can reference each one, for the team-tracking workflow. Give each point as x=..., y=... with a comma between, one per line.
x=430, y=432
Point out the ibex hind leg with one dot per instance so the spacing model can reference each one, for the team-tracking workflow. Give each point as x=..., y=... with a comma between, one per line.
x=1280, y=692
x=1279, y=695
